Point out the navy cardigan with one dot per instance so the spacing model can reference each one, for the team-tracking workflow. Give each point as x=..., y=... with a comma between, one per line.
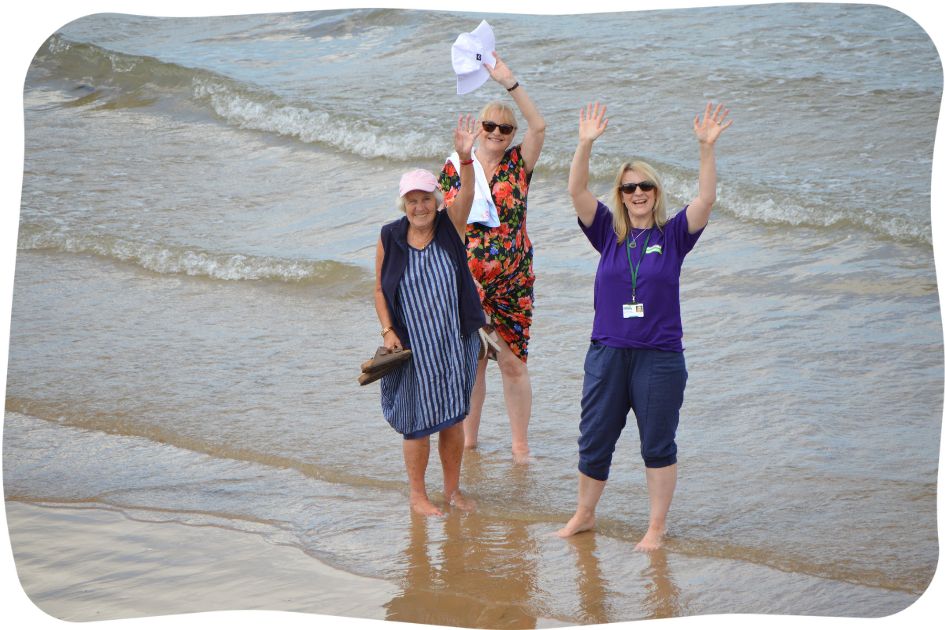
x=396, y=252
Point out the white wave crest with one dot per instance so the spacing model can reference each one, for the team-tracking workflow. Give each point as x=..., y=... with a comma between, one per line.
x=258, y=112
x=165, y=259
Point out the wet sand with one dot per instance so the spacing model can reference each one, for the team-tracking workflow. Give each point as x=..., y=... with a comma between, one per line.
x=82, y=564
x=89, y=564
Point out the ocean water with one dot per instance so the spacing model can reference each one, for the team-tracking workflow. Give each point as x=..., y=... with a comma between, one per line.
x=193, y=296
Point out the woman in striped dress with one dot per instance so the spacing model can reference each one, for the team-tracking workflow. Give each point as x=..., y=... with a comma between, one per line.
x=426, y=300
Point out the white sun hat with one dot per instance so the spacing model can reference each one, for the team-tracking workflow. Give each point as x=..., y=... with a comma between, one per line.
x=470, y=51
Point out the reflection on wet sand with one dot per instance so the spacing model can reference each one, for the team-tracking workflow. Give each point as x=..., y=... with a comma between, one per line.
x=662, y=598
x=481, y=570
x=464, y=571
x=599, y=603
x=592, y=587
x=477, y=571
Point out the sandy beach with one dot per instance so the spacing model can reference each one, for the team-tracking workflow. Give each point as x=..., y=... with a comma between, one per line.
x=80, y=563
x=86, y=564
x=95, y=564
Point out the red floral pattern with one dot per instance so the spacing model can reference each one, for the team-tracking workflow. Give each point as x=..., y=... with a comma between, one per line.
x=500, y=258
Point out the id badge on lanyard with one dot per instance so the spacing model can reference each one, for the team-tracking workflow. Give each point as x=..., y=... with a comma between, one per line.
x=634, y=308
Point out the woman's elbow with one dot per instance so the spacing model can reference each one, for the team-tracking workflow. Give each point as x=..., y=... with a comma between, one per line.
x=707, y=202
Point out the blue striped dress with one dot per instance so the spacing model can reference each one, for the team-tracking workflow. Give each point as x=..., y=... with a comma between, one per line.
x=431, y=391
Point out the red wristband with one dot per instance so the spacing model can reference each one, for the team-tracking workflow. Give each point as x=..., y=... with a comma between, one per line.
x=465, y=162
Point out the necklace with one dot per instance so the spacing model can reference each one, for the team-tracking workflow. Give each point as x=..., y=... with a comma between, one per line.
x=419, y=242
x=633, y=239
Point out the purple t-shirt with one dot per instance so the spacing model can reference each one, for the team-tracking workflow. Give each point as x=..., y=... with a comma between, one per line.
x=660, y=328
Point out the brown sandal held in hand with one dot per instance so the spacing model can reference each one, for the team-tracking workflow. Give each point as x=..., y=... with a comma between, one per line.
x=384, y=361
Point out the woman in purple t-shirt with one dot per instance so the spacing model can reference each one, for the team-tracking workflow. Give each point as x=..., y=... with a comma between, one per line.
x=635, y=360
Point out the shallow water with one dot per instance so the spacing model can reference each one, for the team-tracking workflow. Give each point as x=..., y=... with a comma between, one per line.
x=193, y=295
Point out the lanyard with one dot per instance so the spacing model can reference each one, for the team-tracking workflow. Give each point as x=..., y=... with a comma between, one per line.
x=635, y=270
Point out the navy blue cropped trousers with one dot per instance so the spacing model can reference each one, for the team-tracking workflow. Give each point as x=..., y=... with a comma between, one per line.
x=616, y=380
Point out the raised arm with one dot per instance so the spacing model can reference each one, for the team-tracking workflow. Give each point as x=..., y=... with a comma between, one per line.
x=535, y=135
x=464, y=136
x=592, y=124
x=707, y=132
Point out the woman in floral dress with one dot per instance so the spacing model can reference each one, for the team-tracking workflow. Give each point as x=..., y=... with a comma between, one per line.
x=500, y=258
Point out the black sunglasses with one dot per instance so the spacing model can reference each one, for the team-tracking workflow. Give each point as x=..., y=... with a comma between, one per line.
x=632, y=188
x=490, y=126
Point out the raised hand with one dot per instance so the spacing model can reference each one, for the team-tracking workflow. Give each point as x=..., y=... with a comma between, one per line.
x=500, y=72
x=465, y=134
x=712, y=124
x=592, y=123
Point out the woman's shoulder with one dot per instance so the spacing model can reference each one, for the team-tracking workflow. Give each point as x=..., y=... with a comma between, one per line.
x=603, y=213
x=601, y=229
x=679, y=221
x=393, y=223
x=395, y=227
x=677, y=230
x=514, y=153
x=445, y=230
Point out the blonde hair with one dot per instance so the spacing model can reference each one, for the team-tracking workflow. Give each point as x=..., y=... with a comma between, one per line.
x=501, y=108
x=620, y=212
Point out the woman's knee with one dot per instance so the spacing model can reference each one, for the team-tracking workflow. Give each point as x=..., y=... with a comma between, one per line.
x=512, y=367
x=596, y=445
x=452, y=433
x=599, y=471
x=660, y=456
x=658, y=440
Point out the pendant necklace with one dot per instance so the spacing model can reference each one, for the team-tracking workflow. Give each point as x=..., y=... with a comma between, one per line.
x=633, y=240
x=422, y=244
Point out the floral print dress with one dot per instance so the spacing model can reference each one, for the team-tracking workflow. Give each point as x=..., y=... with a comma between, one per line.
x=500, y=258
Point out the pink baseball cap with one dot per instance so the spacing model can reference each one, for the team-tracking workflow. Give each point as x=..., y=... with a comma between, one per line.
x=418, y=179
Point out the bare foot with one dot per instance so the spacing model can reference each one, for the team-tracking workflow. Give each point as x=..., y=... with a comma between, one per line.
x=522, y=457
x=470, y=446
x=580, y=522
x=461, y=501
x=652, y=540
x=423, y=507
